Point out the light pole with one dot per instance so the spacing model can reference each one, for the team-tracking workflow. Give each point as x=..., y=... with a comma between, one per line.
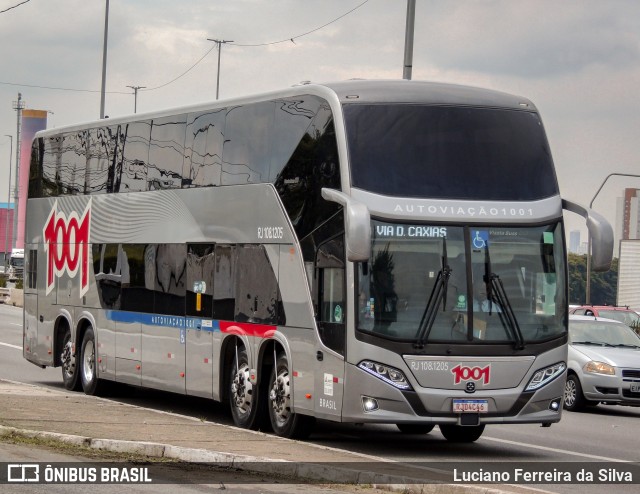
x=135, y=96
x=104, y=58
x=219, y=42
x=18, y=106
x=408, y=40
x=588, y=288
x=6, y=228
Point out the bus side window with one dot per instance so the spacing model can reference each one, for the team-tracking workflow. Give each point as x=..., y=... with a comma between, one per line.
x=331, y=294
x=224, y=287
x=258, y=297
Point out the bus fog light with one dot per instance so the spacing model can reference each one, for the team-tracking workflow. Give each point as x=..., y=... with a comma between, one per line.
x=545, y=376
x=369, y=404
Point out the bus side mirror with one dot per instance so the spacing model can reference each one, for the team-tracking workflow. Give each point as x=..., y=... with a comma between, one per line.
x=600, y=232
x=357, y=225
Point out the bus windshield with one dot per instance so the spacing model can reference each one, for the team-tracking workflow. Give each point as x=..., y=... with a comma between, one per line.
x=449, y=152
x=463, y=284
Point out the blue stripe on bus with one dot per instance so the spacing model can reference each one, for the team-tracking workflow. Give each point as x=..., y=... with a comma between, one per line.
x=163, y=321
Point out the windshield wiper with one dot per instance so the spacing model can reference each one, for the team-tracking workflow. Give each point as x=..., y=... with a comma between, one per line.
x=438, y=294
x=626, y=345
x=596, y=343
x=497, y=294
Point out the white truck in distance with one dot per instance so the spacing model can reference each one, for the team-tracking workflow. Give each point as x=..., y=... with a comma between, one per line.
x=16, y=264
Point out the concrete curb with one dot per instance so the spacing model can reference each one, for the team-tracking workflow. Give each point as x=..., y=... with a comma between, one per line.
x=301, y=471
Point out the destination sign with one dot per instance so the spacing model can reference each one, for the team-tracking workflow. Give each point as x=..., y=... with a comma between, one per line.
x=410, y=231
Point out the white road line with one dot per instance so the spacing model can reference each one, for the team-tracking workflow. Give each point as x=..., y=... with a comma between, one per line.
x=11, y=346
x=554, y=450
x=15, y=324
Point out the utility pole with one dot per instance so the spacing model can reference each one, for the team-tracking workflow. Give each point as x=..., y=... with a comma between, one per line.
x=7, y=250
x=408, y=40
x=219, y=42
x=104, y=59
x=18, y=106
x=135, y=96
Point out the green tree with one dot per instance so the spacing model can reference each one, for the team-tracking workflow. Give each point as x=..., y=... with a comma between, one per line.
x=604, y=286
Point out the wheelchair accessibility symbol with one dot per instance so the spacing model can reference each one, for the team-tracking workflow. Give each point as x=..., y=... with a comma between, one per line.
x=480, y=239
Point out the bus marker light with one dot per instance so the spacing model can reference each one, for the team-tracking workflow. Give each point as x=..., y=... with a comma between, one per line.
x=138, y=367
x=182, y=374
x=308, y=396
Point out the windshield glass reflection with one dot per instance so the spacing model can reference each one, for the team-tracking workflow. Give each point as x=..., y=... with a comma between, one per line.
x=461, y=284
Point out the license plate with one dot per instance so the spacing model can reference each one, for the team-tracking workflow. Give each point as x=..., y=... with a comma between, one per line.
x=635, y=387
x=470, y=406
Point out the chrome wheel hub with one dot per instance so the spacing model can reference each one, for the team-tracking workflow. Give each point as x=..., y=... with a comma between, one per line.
x=280, y=397
x=242, y=389
x=66, y=357
x=89, y=361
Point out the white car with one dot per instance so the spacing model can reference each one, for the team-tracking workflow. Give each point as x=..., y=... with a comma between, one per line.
x=603, y=363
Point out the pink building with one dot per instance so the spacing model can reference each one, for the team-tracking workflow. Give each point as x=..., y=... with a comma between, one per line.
x=6, y=227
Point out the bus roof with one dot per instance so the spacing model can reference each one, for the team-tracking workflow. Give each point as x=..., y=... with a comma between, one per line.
x=351, y=91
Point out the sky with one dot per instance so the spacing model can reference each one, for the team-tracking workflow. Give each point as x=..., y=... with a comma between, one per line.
x=577, y=60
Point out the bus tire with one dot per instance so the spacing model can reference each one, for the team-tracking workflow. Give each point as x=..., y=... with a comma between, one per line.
x=415, y=428
x=244, y=398
x=284, y=422
x=68, y=362
x=88, y=368
x=460, y=433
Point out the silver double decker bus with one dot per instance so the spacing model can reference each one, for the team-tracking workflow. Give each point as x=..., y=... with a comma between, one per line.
x=364, y=251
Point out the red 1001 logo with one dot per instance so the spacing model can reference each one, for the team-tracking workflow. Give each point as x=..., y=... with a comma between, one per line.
x=471, y=374
x=66, y=242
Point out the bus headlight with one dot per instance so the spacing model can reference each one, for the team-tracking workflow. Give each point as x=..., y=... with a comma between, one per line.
x=545, y=376
x=388, y=374
x=594, y=367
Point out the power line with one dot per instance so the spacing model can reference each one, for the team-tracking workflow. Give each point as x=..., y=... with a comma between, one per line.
x=15, y=6
x=60, y=88
x=304, y=34
x=289, y=39
x=184, y=73
x=258, y=44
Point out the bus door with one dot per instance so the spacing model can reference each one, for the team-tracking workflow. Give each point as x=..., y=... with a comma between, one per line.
x=331, y=320
x=31, y=351
x=199, y=319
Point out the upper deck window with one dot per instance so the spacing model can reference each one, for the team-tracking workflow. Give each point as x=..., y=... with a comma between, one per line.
x=449, y=152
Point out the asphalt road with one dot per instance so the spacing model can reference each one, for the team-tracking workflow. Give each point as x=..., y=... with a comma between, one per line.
x=604, y=433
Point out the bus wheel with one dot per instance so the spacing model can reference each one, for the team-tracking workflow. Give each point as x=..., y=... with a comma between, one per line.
x=574, y=400
x=461, y=434
x=243, y=395
x=415, y=428
x=285, y=423
x=68, y=361
x=88, y=369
